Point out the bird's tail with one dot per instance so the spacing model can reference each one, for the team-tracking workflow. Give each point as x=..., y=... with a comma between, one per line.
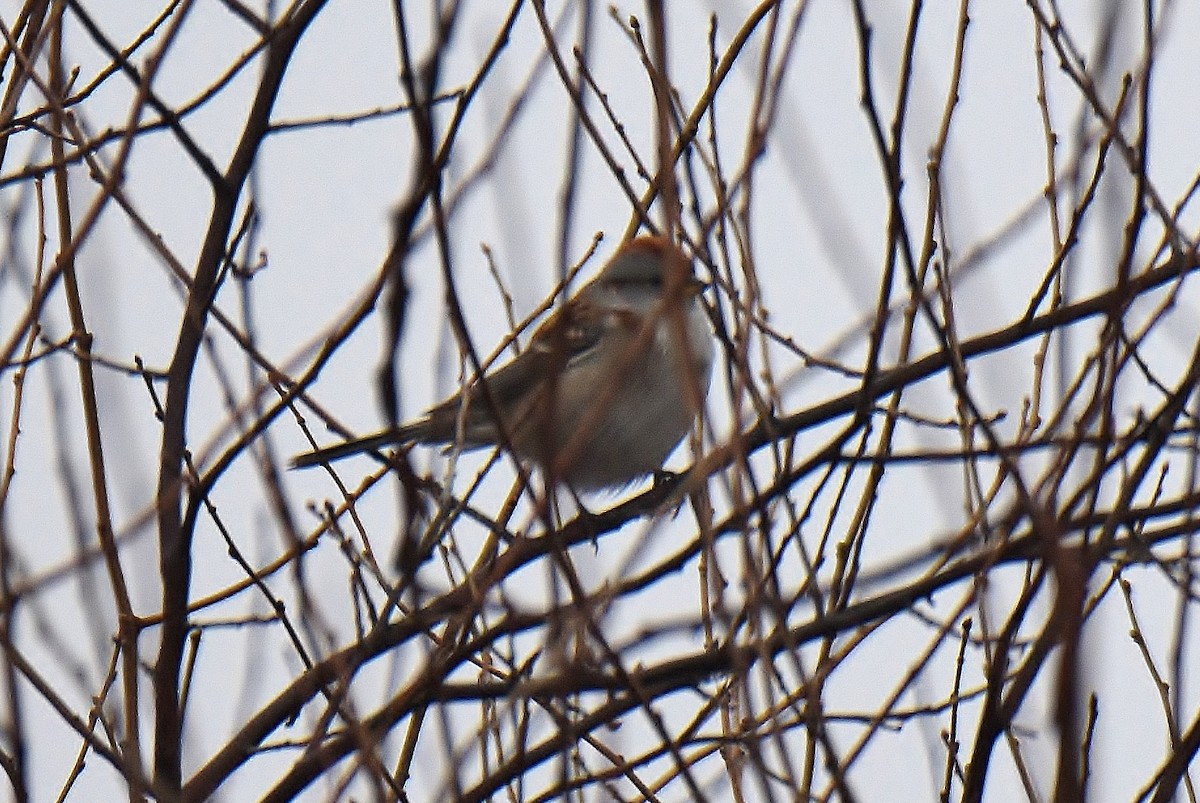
x=369, y=443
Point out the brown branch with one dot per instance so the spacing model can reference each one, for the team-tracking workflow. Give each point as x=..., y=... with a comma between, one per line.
x=175, y=542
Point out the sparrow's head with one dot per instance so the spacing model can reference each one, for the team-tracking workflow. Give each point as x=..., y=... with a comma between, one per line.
x=641, y=267
x=643, y=260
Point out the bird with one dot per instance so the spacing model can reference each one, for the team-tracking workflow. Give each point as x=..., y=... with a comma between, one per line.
x=609, y=385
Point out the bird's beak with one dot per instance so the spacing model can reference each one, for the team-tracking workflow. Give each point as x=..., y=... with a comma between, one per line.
x=693, y=287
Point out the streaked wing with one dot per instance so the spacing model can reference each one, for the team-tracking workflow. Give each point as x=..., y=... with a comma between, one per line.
x=567, y=337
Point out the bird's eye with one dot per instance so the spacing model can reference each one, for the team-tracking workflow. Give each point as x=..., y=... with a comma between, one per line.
x=641, y=281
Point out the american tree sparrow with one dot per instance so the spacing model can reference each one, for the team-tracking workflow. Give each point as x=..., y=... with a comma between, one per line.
x=606, y=390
